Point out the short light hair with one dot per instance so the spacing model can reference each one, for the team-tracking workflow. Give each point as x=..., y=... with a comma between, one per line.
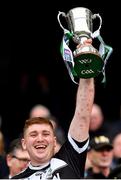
x=37, y=120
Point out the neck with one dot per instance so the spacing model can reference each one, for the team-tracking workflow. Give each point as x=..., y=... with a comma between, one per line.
x=40, y=166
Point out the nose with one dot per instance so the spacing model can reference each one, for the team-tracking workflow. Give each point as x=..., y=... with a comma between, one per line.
x=40, y=137
x=106, y=152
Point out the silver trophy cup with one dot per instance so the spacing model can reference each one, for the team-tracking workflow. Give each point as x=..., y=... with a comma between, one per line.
x=87, y=60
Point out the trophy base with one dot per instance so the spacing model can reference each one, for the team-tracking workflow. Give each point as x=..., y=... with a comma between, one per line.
x=88, y=65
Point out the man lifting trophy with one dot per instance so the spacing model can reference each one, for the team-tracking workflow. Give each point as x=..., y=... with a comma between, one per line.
x=85, y=61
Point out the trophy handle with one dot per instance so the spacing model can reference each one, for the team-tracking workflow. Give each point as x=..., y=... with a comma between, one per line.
x=58, y=17
x=97, y=16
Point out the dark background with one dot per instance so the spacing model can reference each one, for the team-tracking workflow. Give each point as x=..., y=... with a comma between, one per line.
x=29, y=56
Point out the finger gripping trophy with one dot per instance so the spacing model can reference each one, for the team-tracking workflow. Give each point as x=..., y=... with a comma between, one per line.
x=85, y=61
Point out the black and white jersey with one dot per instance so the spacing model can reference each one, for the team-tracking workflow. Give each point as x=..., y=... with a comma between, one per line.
x=68, y=163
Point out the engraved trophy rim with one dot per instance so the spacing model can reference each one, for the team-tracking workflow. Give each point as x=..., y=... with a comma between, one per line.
x=79, y=7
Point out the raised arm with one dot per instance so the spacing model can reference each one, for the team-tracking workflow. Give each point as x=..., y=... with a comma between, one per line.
x=79, y=127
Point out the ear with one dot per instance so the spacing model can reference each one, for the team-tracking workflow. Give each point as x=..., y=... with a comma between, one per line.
x=55, y=141
x=9, y=160
x=57, y=146
x=23, y=143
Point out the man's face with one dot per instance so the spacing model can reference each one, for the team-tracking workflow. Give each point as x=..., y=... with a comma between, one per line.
x=117, y=146
x=18, y=161
x=40, y=142
x=102, y=158
x=96, y=118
